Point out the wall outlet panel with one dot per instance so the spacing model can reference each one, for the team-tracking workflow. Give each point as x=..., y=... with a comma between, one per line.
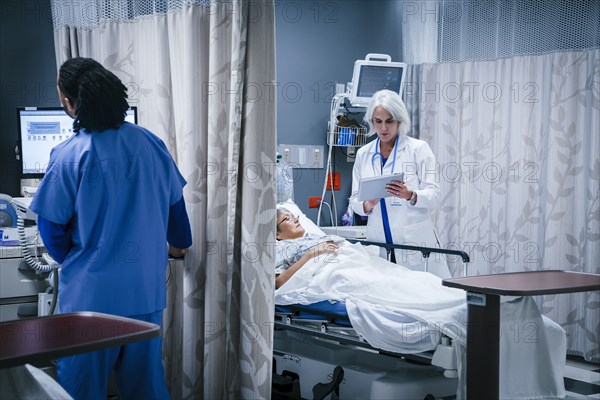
x=313, y=201
x=350, y=154
x=302, y=156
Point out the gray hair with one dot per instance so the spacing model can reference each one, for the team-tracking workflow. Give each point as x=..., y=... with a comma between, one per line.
x=281, y=210
x=392, y=103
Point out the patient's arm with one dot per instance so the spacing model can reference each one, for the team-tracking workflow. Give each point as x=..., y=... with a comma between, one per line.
x=323, y=248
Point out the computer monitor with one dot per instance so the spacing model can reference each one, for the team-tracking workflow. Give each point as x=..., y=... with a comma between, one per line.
x=42, y=128
x=376, y=72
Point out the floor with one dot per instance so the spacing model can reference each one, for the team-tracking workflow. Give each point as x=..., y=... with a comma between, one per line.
x=582, y=379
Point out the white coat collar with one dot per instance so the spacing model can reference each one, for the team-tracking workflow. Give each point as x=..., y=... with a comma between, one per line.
x=402, y=141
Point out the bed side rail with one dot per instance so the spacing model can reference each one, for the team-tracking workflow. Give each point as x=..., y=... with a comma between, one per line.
x=425, y=251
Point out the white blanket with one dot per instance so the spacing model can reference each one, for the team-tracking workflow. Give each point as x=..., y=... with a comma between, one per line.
x=405, y=311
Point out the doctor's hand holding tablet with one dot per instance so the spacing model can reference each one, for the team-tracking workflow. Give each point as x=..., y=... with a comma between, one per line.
x=371, y=190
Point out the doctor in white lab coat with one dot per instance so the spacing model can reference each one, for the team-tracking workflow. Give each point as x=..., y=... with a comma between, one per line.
x=402, y=218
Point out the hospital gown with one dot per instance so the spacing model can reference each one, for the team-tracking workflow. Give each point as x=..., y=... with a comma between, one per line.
x=288, y=252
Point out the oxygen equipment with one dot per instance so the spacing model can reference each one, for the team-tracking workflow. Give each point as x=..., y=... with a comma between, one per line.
x=8, y=216
x=16, y=211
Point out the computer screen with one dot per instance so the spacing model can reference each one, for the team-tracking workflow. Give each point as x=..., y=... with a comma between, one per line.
x=370, y=76
x=40, y=129
x=374, y=78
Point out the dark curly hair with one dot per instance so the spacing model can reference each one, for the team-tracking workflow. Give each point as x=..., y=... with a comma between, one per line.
x=99, y=97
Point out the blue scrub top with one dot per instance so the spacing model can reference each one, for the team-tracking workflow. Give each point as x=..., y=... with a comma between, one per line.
x=113, y=189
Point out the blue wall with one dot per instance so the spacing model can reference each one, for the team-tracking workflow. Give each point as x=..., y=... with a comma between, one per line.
x=27, y=75
x=317, y=43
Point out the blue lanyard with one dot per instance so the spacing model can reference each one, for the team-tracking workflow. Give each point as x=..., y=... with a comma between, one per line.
x=377, y=152
x=386, y=222
x=384, y=214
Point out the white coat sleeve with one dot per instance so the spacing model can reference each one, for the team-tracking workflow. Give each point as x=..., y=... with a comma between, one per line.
x=357, y=206
x=428, y=193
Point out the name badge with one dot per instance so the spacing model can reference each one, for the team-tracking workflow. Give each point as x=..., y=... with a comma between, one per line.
x=396, y=201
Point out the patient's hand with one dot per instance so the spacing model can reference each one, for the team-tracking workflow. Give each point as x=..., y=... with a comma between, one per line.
x=324, y=248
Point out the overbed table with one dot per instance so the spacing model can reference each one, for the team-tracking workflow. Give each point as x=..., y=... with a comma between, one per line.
x=45, y=338
x=483, y=305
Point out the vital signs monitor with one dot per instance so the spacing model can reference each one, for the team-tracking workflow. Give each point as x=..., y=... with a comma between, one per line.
x=376, y=72
x=40, y=129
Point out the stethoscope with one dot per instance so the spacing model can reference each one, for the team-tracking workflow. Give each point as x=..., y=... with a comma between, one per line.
x=377, y=152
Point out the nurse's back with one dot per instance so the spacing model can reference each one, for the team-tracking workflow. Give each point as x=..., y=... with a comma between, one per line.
x=110, y=202
x=108, y=189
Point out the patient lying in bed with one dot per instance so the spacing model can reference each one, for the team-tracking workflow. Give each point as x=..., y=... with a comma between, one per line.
x=401, y=310
x=330, y=266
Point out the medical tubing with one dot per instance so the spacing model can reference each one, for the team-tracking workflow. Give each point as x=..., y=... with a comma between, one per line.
x=333, y=221
x=335, y=104
x=331, y=138
x=330, y=214
x=54, y=293
x=31, y=261
x=324, y=191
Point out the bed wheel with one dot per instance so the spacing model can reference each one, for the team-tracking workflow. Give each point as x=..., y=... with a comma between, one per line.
x=323, y=390
x=288, y=320
x=323, y=327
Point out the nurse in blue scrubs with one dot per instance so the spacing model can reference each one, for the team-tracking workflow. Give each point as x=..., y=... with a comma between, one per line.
x=110, y=208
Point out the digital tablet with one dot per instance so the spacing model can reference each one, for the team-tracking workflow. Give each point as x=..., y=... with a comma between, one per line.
x=374, y=187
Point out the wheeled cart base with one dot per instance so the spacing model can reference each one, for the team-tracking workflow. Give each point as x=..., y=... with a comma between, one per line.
x=367, y=373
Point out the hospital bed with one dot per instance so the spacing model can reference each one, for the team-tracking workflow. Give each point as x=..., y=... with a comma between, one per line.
x=313, y=338
x=307, y=333
x=324, y=328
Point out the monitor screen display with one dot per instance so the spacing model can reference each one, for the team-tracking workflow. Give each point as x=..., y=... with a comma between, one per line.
x=40, y=129
x=376, y=72
x=373, y=78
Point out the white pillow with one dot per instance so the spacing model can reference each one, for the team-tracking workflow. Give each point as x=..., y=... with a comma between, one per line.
x=310, y=227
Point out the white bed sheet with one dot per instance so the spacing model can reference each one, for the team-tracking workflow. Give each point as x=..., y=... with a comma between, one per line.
x=400, y=310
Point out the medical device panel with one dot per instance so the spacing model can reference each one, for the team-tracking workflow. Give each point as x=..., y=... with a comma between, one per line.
x=20, y=285
x=40, y=130
x=376, y=72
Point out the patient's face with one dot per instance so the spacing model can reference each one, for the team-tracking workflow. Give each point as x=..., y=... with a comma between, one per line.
x=288, y=227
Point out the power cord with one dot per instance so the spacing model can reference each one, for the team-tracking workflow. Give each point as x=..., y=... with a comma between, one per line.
x=330, y=213
x=336, y=103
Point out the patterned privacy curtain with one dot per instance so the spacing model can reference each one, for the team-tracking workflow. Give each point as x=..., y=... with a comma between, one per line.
x=189, y=67
x=512, y=114
x=518, y=148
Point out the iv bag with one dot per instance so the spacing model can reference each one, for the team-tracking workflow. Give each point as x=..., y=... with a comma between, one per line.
x=284, y=182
